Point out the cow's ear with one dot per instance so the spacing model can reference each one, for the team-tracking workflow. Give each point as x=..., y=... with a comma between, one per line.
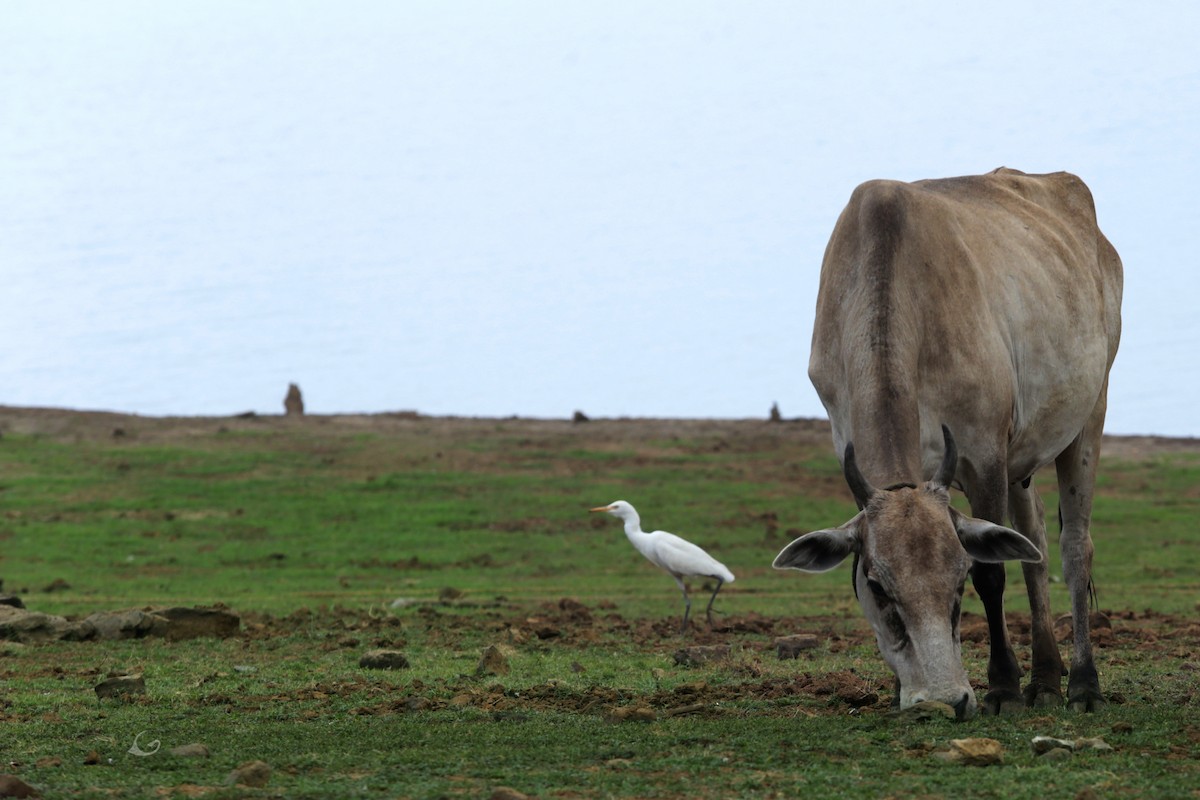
x=820, y=551
x=991, y=543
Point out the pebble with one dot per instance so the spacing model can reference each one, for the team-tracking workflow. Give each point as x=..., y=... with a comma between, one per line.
x=12, y=786
x=972, y=752
x=252, y=773
x=383, y=659
x=120, y=687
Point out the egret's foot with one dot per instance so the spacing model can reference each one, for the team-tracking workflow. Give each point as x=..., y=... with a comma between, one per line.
x=1040, y=695
x=999, y=702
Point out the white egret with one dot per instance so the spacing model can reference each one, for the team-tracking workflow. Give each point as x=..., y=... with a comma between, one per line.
x=677, y=556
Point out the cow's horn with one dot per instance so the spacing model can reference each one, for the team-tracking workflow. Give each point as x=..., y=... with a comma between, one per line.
x=859, y=487
x=945, y=474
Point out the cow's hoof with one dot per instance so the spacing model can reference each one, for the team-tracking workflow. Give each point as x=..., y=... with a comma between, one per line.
x=1000, y=702
x=1042, y=696
x=1085, y=700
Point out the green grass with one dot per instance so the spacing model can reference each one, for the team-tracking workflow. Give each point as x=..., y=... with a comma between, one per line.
x=311, y=531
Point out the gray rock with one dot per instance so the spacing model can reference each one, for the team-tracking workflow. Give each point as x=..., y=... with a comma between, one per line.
x=383, y=659
x=122, y=686
x=252, y=773
x=23, y=625
x=701, y=654
x=792, y=646
x=195, y=750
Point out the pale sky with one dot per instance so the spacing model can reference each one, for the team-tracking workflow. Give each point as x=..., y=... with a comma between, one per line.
x=494, y=208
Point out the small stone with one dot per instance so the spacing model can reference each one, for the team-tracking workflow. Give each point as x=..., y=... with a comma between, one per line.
x=383, y=659
x=492, y=662
x=1122, y=727
x=701, y=654
x=1095, y=743
x=978, y=752
x=632, y=714
x=12, y=786
x=195, y=750
x=1044, y=744
x=121, y=687
x=505, y=793
x=787, y=647
x=92, y=758
x=252, y=773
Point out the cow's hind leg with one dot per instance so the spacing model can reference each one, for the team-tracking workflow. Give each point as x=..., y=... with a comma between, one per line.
x=1029, y=517
x=1076, y=468
x=988, y=501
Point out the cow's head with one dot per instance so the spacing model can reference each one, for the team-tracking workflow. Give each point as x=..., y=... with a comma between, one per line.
x=912, y=552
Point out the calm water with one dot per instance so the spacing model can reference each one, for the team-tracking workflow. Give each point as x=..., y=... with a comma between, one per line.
x=531, y=208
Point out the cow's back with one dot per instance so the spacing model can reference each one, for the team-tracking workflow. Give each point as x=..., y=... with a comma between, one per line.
x=989, y=303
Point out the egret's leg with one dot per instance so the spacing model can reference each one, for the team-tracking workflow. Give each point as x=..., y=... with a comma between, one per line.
x=708, y=611
x=687, y=603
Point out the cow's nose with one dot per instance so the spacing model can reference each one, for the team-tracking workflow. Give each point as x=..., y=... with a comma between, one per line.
x=962, y=707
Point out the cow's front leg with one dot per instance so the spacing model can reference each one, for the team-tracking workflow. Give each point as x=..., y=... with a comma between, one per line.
x=1004, y=673
x=1029, y=517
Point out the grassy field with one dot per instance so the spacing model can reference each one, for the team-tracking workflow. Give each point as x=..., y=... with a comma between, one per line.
x=332, y=536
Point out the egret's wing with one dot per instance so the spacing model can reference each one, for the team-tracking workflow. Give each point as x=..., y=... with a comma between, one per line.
x=681, y=557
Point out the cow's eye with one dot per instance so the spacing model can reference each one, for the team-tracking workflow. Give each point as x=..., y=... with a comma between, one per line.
x=881, y=595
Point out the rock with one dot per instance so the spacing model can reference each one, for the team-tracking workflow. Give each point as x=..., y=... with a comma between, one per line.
x=1122, y=727
x=493, y=662
x=23, y=625
x=383, y=659
x=129, y=624
x=505, y=793
x=121, y=686
x=701, y=654
x=924, y=711
x=176, y=623
x=12, y=786
x=11, y=600
x=1095, y=743
x=775, y=416
x=1044, y=744
x=293, y=403
x=195, y=750
x=579, y=416
x=792, y=646
x=252, y=773
x=632, y=714
x=200, y=622
x=972, y=752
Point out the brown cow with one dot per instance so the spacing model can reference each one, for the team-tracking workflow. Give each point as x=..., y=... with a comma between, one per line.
x=989, y=305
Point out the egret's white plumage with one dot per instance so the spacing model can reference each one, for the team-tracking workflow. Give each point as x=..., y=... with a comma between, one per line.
x=676, y=555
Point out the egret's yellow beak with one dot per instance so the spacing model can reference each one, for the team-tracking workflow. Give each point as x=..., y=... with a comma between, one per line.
x=600, y=508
